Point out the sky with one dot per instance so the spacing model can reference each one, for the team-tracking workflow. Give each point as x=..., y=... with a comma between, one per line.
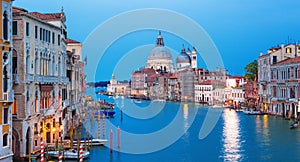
x=239, y=29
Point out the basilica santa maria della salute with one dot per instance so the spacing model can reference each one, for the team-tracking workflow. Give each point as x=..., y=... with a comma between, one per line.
x=160, y=58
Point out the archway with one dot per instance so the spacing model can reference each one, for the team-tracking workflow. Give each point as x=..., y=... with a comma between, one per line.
x=15, y=143
x=28, y=141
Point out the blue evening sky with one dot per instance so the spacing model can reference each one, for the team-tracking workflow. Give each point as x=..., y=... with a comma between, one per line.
x=239, y=29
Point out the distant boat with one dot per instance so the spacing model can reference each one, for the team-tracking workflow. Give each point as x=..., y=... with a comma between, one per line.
x=95, y=142
x=159, y=100
x=106, y=113
x=294, y=125
x=239, y=110
x=254, y=112
x=137, y=101
x=217, y=106
x=69, y=154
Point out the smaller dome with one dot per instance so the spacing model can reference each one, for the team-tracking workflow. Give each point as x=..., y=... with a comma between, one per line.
x=183, y=57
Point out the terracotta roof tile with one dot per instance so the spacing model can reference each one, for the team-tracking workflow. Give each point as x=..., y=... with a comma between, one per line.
x=288, y=61
x=48, y=16
x=71, y=41
x=18, y=10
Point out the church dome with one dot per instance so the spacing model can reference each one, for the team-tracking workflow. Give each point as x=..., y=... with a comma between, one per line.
x=160, y=57
x=160, y=51
x=183, y=57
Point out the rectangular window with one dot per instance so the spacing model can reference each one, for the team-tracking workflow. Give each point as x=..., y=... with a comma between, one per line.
x=44, y=33
x=288, y=50
x=5, y=115
x=36, y=32
x=73, y=51
x=49, y=37
x=15, y=28
x=274, y=59
x=58, y=39
x=41, y=33
x=53, y=38
x=27, y=29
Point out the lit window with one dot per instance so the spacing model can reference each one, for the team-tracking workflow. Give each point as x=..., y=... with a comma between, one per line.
x=288, y=50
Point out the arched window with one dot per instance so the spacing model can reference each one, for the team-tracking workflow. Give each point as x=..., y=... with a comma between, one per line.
x=5, y=26
x=5, y=140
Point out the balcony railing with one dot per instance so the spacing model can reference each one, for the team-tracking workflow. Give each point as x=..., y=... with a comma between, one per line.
x=29, y=78
x=66, y=103
x=46, y=79
x=64, y=80
x=7, y=97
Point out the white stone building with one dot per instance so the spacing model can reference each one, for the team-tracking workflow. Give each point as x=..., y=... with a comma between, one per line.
x=41, y=83
x=204, y=92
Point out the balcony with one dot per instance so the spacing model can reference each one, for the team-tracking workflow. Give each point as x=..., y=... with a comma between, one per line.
x=7, y=97
x=64, y=80
x=46, y=79
x=29, y=78
x=66, y=103
x=48, y=111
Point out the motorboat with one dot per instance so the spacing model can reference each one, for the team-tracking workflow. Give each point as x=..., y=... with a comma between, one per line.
x=95, y=142
x=294, y=125
x=68, y=154
x=218, y=106
x=251, y=112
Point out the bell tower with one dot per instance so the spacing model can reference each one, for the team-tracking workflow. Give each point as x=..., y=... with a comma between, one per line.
x=194, y=58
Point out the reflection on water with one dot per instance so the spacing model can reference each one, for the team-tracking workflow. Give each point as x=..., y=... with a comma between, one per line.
x=185, y=116
x=231, y=136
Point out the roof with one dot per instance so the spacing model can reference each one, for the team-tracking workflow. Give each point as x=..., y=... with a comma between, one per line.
x=146, y=70
x=207, y=82
x=173, y=77
x=212, y=82
x=288, y=61
x=71, y=41
x=236, y=77
x=48, y=16
x=18, y=10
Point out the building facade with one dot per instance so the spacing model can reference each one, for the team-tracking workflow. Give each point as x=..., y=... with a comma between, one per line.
x=6, y=92
x=204, y=92
x=77, y=86
x=284, y=87
x=41, y=83
x=116, y=88
x=265, y=61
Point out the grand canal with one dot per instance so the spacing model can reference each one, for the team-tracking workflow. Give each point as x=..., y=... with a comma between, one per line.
x=236, y=136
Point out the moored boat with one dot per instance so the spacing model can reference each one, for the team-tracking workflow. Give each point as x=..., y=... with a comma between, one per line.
x=95, y=142
x=251, y=112
x=294, y=125
x=68, y=154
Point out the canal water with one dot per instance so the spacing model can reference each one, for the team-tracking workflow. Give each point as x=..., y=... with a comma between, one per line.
x=145, y=136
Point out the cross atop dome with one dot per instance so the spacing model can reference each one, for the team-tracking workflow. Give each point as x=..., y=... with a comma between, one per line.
x=160, y=41
x=182, y=49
